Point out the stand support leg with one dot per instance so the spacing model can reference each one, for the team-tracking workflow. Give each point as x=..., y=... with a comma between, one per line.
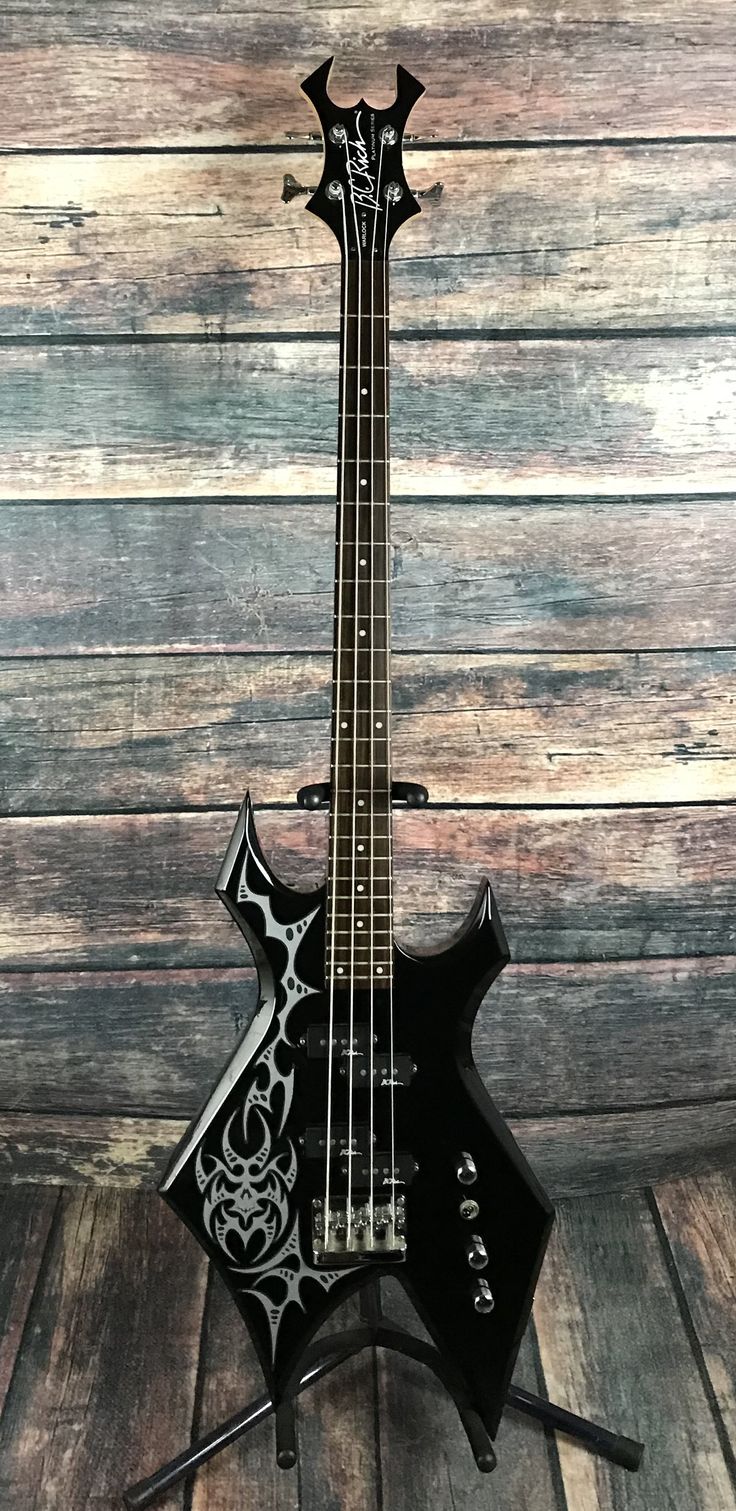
x=625, y=1452
x=145, y=1492
x=285, y=1435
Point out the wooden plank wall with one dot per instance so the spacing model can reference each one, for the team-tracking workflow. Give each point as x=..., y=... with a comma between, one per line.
x=564, y=372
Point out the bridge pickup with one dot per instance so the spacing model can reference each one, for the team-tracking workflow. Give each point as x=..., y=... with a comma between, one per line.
x=385, y=1072
x=315, y=1140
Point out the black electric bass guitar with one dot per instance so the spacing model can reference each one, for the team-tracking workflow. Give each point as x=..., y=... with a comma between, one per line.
x=350, y=1136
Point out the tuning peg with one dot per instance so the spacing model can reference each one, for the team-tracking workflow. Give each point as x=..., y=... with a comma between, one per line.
x=303, y=136
x=433, y=193
x=292, y=188
x=422, y=136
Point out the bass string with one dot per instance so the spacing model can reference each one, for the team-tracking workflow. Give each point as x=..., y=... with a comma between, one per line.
x=356, y=628
x=335, y=809
x=387, y=685
x=372, y=572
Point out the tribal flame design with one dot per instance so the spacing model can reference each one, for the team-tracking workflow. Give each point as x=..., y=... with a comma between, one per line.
x=246, y=1172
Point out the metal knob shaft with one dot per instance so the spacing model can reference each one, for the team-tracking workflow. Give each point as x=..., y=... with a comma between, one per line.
x=477, y=1252
x=465, y=1169
x=482, y=1297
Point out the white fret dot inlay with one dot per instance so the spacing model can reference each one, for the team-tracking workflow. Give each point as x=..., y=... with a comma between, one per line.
x=361, y=847
x=364, y=390
x=379, y=970
x=379, y=724
x=361, y=632
x=344, y=724
x=363, y=482
x=359, y=924
x=361, y=888
x=339, y=971
x=361, y=802
x=363, y=562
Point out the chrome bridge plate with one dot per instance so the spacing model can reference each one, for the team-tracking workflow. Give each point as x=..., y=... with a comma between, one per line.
x=338, y=1242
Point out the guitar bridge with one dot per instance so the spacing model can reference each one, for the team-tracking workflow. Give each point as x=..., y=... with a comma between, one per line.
x=348, y=1236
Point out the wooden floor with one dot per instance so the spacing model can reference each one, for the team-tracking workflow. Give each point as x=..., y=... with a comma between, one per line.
x=116, y=1347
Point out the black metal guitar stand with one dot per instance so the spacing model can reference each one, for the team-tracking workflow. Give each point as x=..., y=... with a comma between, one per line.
x=375, y=1331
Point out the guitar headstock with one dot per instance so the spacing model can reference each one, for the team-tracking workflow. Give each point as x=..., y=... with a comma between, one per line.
x=363, y=195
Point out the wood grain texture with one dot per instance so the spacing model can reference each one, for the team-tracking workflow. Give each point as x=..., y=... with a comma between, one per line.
x=699, y=1218
x=548, y=1039
x=26, y=1215
x=110, y=1360
x=571, y=1155
x=103, y=734
x=137, y=889
x=604, y=238
x=189, y=73
x=230, y=1377
x=425, y=1456
x=613, y=1347
x=548, y=574
x=494, y=417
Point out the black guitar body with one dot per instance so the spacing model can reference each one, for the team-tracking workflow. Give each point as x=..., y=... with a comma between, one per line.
x=248, y=1173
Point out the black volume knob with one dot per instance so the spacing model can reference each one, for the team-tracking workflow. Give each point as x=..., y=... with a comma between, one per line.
x=465, y=1169
x=477, y=1252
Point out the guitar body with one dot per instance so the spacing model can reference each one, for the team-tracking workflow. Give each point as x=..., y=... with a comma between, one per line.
x=248, y=1173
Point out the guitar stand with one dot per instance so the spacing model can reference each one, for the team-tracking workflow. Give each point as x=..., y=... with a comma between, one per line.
x=322, y=1357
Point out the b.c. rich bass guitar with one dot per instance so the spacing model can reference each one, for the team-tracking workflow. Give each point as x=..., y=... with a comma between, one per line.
x=350, y=1135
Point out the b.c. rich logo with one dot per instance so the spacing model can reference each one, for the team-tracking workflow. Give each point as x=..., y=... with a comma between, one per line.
x=363, y=182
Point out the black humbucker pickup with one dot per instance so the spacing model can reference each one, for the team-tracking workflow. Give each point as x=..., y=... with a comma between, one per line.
x=318, y=1034
x=387, y=1071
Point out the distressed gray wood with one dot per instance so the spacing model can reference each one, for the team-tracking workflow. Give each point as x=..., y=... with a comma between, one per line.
x=26, y=1215
x=184, y=73
x=230, y=1377
x=425, y=1456
x=548, y=1039
x=572, y=1155
x=699, y=1218
x=479, y=416
x=613, y=1347
x=603, y=237
x=137, y=889
x=108, y=1370
x=99, y=733
x=468, y=574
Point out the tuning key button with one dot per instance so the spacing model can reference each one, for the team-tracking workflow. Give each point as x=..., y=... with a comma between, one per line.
x=465, y=1169
x=477, y=1252
x=482, y=1297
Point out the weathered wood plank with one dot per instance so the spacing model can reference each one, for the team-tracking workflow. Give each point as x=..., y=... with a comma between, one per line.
x=230, y=1377
x=106, y=1378
x=613, y=1347
x=425, y=1456
x=474, y=575
x=605, y=237
x=549, y=1038
x=105, y=733
x=26, y=1214
x=572, y=1156
x=495, y=417
x=699, y=1217
x=211, y=75
x=136, y=889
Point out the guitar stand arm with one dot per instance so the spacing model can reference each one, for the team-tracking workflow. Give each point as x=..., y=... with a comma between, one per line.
x=323, y=1357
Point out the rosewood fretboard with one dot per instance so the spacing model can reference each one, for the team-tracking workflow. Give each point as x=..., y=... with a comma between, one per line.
x=359, y=933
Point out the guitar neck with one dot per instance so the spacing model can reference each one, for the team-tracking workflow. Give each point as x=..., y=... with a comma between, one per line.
x=359, y=940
